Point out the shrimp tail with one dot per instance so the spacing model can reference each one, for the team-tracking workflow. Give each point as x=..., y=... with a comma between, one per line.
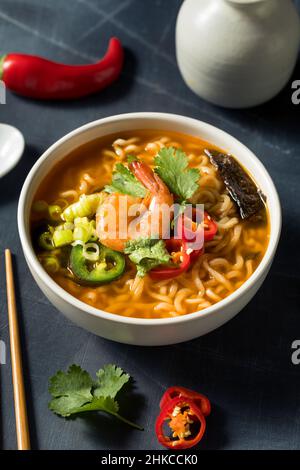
x=147, y=177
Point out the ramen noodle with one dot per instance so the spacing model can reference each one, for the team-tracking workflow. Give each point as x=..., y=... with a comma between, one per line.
x=226, y=261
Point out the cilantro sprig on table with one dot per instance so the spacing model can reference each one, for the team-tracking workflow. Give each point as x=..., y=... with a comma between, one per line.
x=75, y=391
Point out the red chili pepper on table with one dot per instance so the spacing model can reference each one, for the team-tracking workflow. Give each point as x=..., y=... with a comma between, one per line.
x=200, y=400
x=186, y=421
x=36, y=77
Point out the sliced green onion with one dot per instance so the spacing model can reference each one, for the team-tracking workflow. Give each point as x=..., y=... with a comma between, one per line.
x=91, y=251
x=77, y=242
x=84, y=229
x=66, y=226
x=62, y=203
x=62, y=237
x=40, y=206
x=50, y=263
x=80, y=233
x=54, y=212
x=46, y=241
x=85, y=207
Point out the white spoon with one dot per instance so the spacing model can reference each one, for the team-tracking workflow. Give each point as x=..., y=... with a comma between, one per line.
x=11, y=147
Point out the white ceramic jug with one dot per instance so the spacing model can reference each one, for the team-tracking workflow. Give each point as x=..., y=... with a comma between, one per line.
x=237, y=53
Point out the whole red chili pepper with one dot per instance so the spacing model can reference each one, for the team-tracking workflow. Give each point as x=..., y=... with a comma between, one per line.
x=36, y=77
x=200, y=400
x=186, y=421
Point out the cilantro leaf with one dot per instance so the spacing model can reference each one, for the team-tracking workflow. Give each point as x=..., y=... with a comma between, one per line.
x=75, y=392
x=110, y=381
x=172, y=167
x=132, y=158
x=107, y=404
x=124, y=182
x=70, y=390
x=147, y=253
x=179, y=209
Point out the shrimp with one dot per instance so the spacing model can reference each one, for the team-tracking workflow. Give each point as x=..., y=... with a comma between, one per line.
x=112, y=219
x=121, y=218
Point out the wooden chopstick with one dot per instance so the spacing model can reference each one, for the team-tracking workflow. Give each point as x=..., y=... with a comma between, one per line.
x=22, y=428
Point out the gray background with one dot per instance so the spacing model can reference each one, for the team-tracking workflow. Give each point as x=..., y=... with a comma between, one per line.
x=245, y=367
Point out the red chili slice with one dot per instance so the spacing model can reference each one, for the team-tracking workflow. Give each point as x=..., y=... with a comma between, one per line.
x=186, y=421
x=162, y=273
x=195, y=254
x=210, y=227
x=185, y=225
x=200, y=400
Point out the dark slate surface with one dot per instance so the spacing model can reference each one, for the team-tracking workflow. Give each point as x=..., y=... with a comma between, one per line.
x=244, y=367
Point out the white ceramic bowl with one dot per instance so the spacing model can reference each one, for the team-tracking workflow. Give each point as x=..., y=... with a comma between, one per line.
x=135, y=330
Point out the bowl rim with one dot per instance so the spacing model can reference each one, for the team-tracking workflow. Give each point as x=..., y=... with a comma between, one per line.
x=73, y=301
